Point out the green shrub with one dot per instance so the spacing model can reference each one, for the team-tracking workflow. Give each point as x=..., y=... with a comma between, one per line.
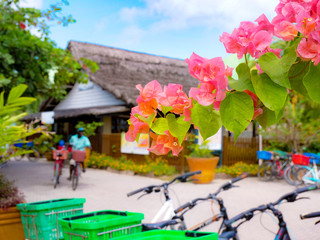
x=158, y=167
x=238, y=168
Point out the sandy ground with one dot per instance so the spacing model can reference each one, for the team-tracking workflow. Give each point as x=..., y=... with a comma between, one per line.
x=107, y=190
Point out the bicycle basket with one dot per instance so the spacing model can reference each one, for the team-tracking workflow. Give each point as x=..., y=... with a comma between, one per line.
x=171, y=235
x=40, y=219
x=78, y=155
x=64, y=154
x=265, y=155
x=313, y=157
x=101, y=225
x=300, y=159
x=18, y=145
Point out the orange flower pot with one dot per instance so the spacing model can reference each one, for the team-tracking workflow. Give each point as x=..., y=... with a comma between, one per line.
x=11, y=225
x=207, y=167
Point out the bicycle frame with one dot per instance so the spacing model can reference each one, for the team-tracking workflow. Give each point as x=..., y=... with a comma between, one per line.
x=166, y=212
x=312, y=176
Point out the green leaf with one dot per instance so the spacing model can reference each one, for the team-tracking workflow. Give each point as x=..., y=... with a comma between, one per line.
x=278, y=68
x=206, y=119
x=312, y=82
x=178, y=127
x=147, y=120
x=268, y=117
x=296, y=75
x=160, y=125
x=244, y=82
x=2, y=99
x=16, y=92
x=166, y=109
x=271, y=94
x=236, y=112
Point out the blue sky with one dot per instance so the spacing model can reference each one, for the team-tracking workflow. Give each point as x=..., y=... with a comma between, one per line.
x=172, y=28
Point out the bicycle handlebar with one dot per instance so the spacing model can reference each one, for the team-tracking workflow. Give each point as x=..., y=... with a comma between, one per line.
x=228, y=185
x=290, y=197
x=149, y=189
x=310, y=215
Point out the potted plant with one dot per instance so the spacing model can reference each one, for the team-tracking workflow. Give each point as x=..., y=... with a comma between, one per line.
x=10, y=219
x=204, y=159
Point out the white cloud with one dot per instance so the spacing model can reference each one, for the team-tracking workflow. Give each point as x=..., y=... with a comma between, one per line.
x=180, y=14
x=102, y=24
x=130, y=36
x=31, y=3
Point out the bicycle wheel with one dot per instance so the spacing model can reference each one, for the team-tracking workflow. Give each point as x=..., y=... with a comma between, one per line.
x=288, y=174
x=75, y=176
x=56, y=176
x=265, y=171
x=18, y=157
x=304, y=176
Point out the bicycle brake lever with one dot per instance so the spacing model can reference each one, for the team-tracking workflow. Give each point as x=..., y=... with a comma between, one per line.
x=317, y=222
x=300, y=198
x=142, y=195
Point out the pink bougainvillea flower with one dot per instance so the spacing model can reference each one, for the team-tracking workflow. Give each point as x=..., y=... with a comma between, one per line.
x=257, y=110
x=207, y=94
x=135, y=128
x=285, y=30
x=173, y=95
x=259, y=68
x=308, y=49
x=290, y=11
x=150, y=91
x=249, y=38
x=163, y=144
x=305, y=23
x=148, y=99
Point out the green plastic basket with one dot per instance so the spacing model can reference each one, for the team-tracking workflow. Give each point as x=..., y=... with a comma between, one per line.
x=101, y=225
x=40, y=219
x=170, y=235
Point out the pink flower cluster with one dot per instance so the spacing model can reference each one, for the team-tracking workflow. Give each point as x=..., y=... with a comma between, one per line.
x=302, y=16
x=213, y=77
x=150, y=102
x=251, y=38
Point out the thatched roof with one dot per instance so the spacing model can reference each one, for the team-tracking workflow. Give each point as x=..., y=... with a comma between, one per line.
x=121, y=70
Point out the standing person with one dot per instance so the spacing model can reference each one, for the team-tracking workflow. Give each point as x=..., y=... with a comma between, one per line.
x=79, y=142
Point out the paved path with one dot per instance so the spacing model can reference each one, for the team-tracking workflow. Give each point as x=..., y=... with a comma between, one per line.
x=107, y=190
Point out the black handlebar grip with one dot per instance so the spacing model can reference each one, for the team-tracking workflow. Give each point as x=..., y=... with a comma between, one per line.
x=184, y=206
x=242, y=176
x=135, y=192
x=305, y=189
x=310, y=215
x=191, y=174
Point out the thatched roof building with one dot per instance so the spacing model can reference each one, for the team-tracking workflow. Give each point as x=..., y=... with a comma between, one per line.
x=120, y=71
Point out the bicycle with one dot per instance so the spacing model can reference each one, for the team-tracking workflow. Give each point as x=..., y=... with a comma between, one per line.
x=59, y=156
x=31, y=153
x=178, y=218
x=77, y=157
x=273, y=165
x=230, y=231
x=307, y=176
x=311, y=215
x=166, y=212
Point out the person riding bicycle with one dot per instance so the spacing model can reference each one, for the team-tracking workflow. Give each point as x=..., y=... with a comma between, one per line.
x=79, y=142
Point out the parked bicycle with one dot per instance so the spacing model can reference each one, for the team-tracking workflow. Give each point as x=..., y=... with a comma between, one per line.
x=166, y=212
x=178, y=218
x=307, y=176
x=230, y=230
x=59, y=156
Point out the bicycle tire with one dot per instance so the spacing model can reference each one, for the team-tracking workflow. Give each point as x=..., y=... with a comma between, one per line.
x=265, y=171
x=75, y=177
x=288, y=174
x=300, y=174
x=56, y=177
x=18, y=157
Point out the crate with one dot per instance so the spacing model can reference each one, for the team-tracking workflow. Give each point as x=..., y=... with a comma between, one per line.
x=40, y=219
x=64, y=154
x=264, y=155
x=313, y=157
x=170, y=235
x=300, y=159
x=101, y=225
x=78, y=155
